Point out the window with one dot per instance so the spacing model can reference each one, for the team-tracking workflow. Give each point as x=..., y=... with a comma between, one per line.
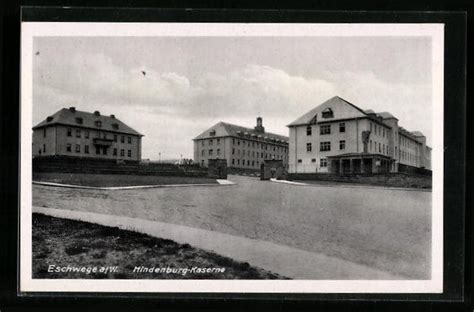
x=86, y=134
x=233, y=161
x=78, y=148
x=313, y=160
x=210, y=152
x=115, y=138
x=248, y=144
x=233, y=151
x=122, y=139
x=238, y=161
x=300, y=161
x=202, y=152
x=370, y=127
x=129, y=140
x=98, y=123
x=86, y=149
x=69, y=147
x=44, y=148
x=328, y=113
x=325, y=129
x=122, y=152
x=342, y=127
x=342, y=144
x=129, y=153
x=325, y=146
x=248, y=162
x=202, y=162
x=370, y=144
x=212, y=133
x=218, y=141
x=380, y=148
x=308, y=147
x=104, y=150
x=114, y=153
x=97, y=150
x=79, y=120
x=233, y=141
x=323, y=163
x=69, y=132
x=238, y=142
x=78, y=133
x=44, y=132
x=383, y=148
x=218, y=151
x=309, y=130
x=253, y=163
x=211, y=142
x=115, y=126
x=383, y=132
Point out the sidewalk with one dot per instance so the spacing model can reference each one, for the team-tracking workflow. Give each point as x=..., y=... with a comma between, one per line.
x=290, y=262
x=349, y=185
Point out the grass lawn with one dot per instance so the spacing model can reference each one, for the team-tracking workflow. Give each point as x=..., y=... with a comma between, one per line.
x=105, y=180
x=61, y=243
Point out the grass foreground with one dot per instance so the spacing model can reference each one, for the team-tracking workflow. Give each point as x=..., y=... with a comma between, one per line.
x=108, y=180
x=81, y=250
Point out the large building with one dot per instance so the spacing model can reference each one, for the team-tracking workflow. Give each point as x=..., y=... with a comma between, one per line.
x=241, y=147
x=339, y=137
x=69, y=132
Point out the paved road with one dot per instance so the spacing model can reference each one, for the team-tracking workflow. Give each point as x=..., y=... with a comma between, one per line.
x=388, y=230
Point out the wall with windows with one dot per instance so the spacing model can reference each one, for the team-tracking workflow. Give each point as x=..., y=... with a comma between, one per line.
x=240, y=152
x=310, y=145
x=76, y=141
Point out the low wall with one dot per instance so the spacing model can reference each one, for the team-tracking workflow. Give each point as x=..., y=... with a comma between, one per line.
x=100, y=166
x=414, y=170
x=383, y=179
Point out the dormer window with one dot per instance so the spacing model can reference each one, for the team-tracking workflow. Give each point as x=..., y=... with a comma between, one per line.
x=98, y=123
x=115, y=126
x=212, y=133
x=328, y=113
x=79, y=120
x=49, y=118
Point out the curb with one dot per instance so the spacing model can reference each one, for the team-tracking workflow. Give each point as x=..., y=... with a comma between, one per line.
x=133, y=187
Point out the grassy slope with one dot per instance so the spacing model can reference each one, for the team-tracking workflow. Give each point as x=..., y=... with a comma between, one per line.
x=65, y=242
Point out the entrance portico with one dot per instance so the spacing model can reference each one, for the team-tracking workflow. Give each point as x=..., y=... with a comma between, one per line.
x=357, y=163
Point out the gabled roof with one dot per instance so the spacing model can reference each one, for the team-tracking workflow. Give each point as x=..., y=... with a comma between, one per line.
x=68, y=117
x=227, y=129
x=309, y=116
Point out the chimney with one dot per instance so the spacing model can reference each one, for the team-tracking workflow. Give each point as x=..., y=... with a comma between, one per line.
x=112, y=116
x=259, y=128
x=72, y=109
x=97, y=113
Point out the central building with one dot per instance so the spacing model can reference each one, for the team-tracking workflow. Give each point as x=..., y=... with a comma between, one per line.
x=241, y=147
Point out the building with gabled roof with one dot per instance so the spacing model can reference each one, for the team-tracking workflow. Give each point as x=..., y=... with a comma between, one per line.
x=339, y=137
x=70, y=132
x=241, y=147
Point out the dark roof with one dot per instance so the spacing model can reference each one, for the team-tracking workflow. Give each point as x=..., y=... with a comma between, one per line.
x=239, y=131
x=68, y=117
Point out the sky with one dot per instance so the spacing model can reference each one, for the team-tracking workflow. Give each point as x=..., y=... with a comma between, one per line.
x=192, y=83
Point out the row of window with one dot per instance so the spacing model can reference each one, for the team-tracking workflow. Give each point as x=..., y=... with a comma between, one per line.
x=326, y=146
x=378, y=147
x=378, y=130
x=407, y=143
x=325, y=129
x=98, y=150
x=408, y=156
x=249, y=144
x=253, y=154
x=250, y=163
x=101, y=135
x=323, y=162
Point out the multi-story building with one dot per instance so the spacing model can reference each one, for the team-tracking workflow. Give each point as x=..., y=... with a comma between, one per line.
x=69, y=132
x=339, y=137
x=241, y=147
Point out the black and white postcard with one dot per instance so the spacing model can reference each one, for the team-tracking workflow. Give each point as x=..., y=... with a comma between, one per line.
x=231, y=157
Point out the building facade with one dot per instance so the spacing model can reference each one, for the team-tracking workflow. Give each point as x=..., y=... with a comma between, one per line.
x=339, y=137
x=69, y=132
x=241, y=147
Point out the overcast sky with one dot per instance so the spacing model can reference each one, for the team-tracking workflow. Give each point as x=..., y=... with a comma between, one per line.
x=192, y=83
